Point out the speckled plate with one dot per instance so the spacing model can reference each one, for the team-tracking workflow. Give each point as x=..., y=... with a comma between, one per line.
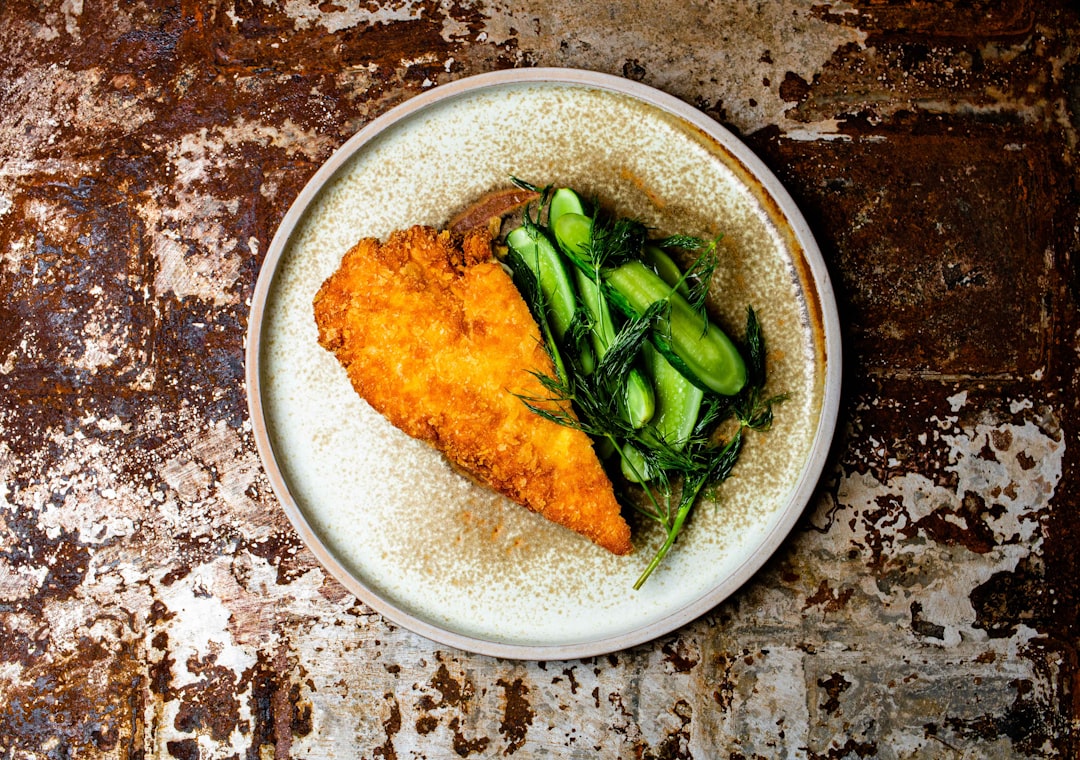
x=386, y=515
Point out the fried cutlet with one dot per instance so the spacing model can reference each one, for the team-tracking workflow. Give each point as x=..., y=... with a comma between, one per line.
x=435, y=336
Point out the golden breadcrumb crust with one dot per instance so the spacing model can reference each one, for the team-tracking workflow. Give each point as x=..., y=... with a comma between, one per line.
x=435, y=336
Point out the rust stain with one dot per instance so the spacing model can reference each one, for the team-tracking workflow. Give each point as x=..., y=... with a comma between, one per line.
x=676, y=743
x=725, y=691
x=518, y=714
x=278, y=710
x=155, y=602
x=571, y=679
x=967, y=526
x=391, y=726
x=850, y=748
x=452, y=693
x=463, y=746
x=956, y=22
x=183, y=749
x=924, y=627
x=679, y=656
x=209, y=705
x=834, y=686
x=915, y=316
x=794, y=89
x=828, y=598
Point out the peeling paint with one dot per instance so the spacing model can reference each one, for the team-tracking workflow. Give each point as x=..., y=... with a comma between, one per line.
x=733, y=56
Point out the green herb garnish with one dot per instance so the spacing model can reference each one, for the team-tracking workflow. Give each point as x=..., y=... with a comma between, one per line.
x=636, y=358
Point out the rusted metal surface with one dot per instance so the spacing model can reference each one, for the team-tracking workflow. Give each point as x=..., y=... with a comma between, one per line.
x=154, y=602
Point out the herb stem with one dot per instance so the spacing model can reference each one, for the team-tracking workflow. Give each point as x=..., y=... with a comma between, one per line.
x=686, y=502
x=659, y=515
x=672, y=533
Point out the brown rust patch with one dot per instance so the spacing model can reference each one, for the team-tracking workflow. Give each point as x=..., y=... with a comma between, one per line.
x=882, y=522
x=210, y=705
x=425, y=724
x=284, y=550
x=1025, y=724
x=966, y=526
x=278, y=708
x=391, y=726
x=676, y=743
x=681, y=657
x=900, y=80
x=916, y=259
x=452, y=693
x=571, y=678
x=272, y=40
x=794, y=88
x=1008, y=600
x=463, y=746
x=828, y=598
x=76, y=702
x=924, y=627
x=834, y=686
x=725, y=691
x=849, y=749
x=517, y=715
x=940, y=22
x=83, y=319
x=183, y=749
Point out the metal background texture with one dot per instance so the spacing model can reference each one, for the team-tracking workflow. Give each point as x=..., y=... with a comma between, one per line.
x=154, y=601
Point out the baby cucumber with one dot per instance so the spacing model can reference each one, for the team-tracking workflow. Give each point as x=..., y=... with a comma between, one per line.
x=678, y=401
x=710, y=360
x=666, y=267
x=678, y=404
x=633, y=465
x=564, y=201
x=638, y=399
x=540, y=256
x=573, y=232
x=603, y=329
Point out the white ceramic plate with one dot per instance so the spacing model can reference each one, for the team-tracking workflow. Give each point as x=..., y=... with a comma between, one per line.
x=385, y=514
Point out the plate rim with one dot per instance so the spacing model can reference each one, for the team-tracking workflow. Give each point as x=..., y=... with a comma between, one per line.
x=800, y=495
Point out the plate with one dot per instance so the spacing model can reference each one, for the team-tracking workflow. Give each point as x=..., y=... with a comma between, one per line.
x=386, y=515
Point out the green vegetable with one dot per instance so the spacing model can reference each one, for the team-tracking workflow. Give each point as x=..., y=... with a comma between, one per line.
x=666, y=267
x=678, y=401
x=537, y=253
x=638, y=400
x=564, y=201
x=596, y=306
x=634, y=466
x=660, y=378
x=574, y=233
x=699, y=350
x=708, y=357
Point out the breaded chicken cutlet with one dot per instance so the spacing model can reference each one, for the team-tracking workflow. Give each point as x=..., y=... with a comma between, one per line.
x=435, y=336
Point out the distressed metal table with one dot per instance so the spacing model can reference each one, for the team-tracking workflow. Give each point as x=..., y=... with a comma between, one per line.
x=154, y=601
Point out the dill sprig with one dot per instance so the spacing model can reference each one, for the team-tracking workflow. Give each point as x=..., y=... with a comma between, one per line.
x=589, y=394
x=705, y=461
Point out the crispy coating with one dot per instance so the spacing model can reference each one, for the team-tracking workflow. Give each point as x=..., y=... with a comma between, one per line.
x=435, y=336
